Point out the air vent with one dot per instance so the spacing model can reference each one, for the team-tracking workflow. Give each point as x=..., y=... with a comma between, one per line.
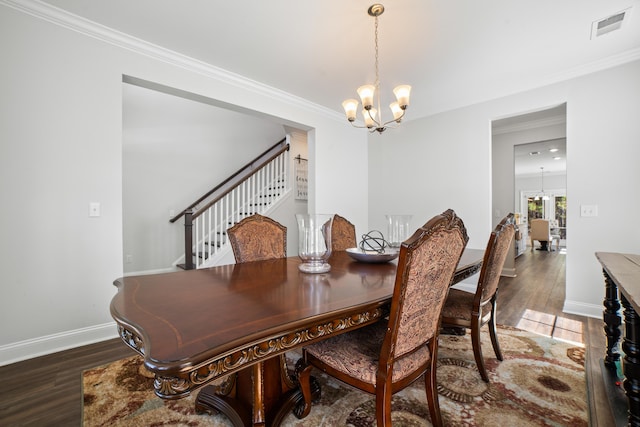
x=608, y=24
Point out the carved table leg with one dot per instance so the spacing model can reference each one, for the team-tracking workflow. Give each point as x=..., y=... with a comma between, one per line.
x=631, y=361
x=612, y=322
x=262, y=395
x=213, y=399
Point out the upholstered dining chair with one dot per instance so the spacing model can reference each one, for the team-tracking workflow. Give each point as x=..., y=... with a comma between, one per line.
x=257, y=238
x=343, y=234
x=387, y=356
x=474, y=310
x=541, y=231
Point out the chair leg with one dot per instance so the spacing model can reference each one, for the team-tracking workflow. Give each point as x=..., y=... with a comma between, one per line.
x=432, y=396
x=477, y=349
x=383, y=404
x=493, y=333
x=303, y=373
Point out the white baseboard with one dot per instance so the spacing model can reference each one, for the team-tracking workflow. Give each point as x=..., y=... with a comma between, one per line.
x=583, y=309
x=509, y=272
x=41, y=346
x=466, y=286
x=156, y=271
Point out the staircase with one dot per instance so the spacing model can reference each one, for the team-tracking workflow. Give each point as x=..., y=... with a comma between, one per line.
x=255, y=188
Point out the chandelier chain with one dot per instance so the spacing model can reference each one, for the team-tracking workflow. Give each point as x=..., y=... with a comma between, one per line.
x=377, y=84
x=376, y=58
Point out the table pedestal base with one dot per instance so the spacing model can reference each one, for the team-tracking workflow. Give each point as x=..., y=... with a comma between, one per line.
x=259, y=396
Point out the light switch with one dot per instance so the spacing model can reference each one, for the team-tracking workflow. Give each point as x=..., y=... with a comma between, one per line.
x=94, y=209
x=588, y=210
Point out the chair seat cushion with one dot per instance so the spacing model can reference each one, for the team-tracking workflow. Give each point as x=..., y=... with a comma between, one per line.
x=356, y=353
x=459, y=305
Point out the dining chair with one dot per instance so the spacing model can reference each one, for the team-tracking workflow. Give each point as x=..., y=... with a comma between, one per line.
x=343, y=234
x=541, y=231
x=474, y=310
x=257, y=238
x=389, y=355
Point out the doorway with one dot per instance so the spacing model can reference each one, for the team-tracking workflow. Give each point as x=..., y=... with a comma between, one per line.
x=520, y=144
x=540, y=181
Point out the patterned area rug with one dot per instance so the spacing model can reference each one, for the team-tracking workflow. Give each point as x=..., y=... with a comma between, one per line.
x=540, y=382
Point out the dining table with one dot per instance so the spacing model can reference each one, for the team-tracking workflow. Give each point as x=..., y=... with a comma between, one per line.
x=223, y=331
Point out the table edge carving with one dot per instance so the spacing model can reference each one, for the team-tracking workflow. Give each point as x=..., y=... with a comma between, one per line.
x=181, y=385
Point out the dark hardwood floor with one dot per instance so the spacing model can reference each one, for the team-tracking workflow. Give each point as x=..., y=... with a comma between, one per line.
x=47, y=391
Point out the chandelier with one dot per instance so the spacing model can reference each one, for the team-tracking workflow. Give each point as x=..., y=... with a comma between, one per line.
x=373, y=116
x=544, y=196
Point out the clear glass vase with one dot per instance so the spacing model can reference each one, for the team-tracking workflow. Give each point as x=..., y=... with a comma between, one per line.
x=398, y=229
x=314, y=242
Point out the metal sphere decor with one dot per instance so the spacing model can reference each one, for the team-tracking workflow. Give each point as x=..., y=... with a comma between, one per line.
x=374, y=241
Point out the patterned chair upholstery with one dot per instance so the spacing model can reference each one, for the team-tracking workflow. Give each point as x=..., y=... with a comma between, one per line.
x=343, y=234
x=257, y=238
x=472, y=311
x=385, y=357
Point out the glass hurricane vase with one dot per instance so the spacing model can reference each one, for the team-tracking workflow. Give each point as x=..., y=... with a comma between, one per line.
x=314, y=242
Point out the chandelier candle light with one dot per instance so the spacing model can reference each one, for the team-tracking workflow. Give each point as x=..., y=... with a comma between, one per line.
x=372, y=116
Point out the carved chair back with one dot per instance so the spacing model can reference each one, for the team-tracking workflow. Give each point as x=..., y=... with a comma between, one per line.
x=343, y=234
x=258, y=238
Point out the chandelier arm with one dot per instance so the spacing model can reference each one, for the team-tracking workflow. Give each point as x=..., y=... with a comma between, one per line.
x=394, y=120
x=358, y=126
x=375, y=122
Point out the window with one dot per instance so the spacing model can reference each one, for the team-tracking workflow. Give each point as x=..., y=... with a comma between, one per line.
x=560, y=214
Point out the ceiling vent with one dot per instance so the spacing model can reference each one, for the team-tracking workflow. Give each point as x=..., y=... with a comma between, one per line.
x=608, y=24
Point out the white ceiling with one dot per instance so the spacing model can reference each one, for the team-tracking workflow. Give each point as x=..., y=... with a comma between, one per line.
x=453, y=52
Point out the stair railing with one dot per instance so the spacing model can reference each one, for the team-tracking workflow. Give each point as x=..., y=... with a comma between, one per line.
x=254, y=188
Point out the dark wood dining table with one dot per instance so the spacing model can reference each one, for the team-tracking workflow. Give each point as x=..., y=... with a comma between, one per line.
x=194, y=327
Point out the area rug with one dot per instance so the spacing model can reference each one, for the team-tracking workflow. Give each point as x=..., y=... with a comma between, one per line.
x=540, y=382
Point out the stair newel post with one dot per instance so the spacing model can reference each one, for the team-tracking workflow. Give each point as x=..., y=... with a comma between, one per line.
x=188, y=239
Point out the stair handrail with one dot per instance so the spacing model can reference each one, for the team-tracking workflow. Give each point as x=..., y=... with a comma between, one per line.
x=250, y=165
x=243, y=177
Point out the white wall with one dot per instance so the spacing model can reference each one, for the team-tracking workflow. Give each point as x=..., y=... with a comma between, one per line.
x=174, y=151
x=444, y=161
x=61, y=148
x=603, y=135
x=429, y=165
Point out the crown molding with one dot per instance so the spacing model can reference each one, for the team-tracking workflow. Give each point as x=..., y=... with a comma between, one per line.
x=531, y=124
x=105, y=34
x=595, y=66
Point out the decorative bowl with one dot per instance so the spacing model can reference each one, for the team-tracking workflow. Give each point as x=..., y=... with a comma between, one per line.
x=372, y=256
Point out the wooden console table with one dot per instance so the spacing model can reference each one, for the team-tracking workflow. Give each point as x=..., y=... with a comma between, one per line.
x=195, y=326
x=622, y=285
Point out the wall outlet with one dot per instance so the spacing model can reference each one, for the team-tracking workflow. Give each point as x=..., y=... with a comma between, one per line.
x=128, y=258
x=588, y=210
x=94, y=209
